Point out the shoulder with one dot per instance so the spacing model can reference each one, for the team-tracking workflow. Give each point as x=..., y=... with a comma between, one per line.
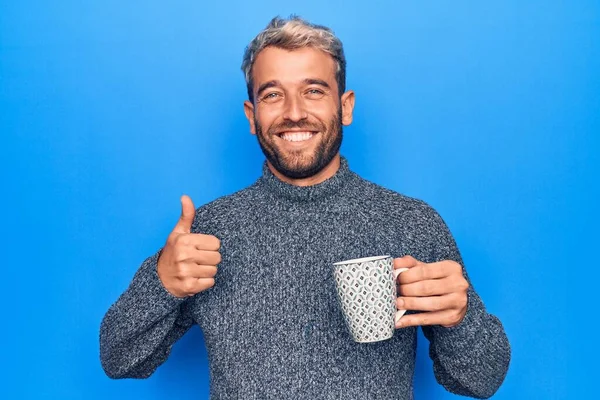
x=225, y=208
x=396, y=204
x=412, y=216
x=420, y=227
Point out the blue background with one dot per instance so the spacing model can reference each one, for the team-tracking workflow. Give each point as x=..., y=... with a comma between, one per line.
x=109, y=111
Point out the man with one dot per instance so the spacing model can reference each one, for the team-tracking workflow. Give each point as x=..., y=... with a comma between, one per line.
x=253, y=269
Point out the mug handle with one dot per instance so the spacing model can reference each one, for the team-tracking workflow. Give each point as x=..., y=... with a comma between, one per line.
x=396, y=272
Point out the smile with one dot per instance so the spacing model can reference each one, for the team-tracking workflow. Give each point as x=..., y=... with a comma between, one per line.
x=296, y=136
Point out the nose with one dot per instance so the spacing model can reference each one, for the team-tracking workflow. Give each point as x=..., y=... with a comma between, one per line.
x=294, y=109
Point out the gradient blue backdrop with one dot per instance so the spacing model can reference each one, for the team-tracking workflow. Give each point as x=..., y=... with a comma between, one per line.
x=110, y=111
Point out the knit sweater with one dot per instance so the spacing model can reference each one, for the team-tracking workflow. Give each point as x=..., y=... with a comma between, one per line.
x=272, y=323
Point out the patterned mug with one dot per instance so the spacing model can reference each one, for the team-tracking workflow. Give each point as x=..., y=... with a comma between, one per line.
x=366, y=289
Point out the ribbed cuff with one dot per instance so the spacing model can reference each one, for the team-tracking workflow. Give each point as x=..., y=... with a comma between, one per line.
x=146, y=284
x=470, y=323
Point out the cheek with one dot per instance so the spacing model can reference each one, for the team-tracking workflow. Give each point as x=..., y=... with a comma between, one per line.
x=323, y=111
x=265, y=118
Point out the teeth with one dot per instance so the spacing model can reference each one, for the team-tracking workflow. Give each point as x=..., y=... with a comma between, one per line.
x=296, y=136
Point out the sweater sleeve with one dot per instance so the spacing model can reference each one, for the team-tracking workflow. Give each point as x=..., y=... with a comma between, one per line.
x=471, y=358
x=139, y=329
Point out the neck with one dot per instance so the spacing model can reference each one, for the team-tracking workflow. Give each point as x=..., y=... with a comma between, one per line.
x=319, y=177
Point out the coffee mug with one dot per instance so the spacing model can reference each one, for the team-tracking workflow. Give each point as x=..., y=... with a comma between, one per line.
x=366, y=289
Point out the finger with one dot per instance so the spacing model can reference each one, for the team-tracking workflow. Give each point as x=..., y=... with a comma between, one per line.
x=200, y=241
x=205, y=283
x=198, y=257
x=406, y=262
x=202, y=271
x=192, y=286
x=432, y=287
x=397, y=272
x=188, y=212
x=433, y=303
x=203, y=257
x=445, y=317
x=424, y=272
x=207, y=243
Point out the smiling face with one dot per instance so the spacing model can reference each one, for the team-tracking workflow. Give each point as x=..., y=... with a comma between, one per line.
x=298, y=113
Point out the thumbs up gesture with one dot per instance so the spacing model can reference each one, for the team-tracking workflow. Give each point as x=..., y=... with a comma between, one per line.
x=187, y=264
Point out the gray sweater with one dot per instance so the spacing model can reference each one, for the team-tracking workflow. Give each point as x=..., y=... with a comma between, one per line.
x=272, y=324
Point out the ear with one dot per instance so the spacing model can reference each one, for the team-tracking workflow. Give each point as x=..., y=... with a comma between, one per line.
x=347, y=101
x=249, y=111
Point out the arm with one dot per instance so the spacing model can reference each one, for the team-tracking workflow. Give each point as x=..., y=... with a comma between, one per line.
x=138, y=331
x=472, y=357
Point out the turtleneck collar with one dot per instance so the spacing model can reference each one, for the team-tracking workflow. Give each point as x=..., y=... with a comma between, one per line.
x=307, y=193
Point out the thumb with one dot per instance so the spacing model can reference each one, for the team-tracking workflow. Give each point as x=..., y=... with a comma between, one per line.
x=406, y=262
x=188, y=211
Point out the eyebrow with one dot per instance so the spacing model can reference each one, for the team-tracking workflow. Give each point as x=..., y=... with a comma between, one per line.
x=266, y=86
x=320, y=82
x=275, y=83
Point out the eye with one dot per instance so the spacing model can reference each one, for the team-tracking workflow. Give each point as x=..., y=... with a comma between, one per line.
x=270, y=96
x=314, y=93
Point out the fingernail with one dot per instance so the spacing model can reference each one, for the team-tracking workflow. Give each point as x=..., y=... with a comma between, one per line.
x=399, y=303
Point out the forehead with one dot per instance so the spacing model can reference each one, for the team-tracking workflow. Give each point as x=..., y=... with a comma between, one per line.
x=293, y=66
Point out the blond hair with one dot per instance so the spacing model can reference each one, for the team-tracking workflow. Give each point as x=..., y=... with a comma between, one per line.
x=291, y=34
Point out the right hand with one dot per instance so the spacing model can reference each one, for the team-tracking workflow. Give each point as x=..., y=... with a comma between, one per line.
x=188, y=262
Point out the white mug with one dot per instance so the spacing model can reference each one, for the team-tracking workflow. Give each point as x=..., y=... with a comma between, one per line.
x=367, y=293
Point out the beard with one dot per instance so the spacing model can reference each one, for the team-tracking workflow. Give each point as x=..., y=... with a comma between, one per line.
x=298, y=164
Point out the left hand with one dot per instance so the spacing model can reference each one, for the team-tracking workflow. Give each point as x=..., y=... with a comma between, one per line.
x=438, y=289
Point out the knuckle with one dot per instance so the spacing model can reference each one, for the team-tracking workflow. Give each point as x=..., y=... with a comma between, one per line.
x=181, y=240
x=178, y=270
x=210, y=282
x=171, y=239
x=458, y=302
x=443, y=270
x=455, y=318
x=463, y=302
x=463, y=285
x=427, y=288
x=187, y=285
x=186, y=270
x=209, y=271
x=180, y=255
x=458, y=318
x=456, y=268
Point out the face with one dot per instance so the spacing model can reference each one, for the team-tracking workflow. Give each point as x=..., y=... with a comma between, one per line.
x=297, y=113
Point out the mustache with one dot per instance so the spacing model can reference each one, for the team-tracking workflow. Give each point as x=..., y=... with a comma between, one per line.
x=299, y=125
